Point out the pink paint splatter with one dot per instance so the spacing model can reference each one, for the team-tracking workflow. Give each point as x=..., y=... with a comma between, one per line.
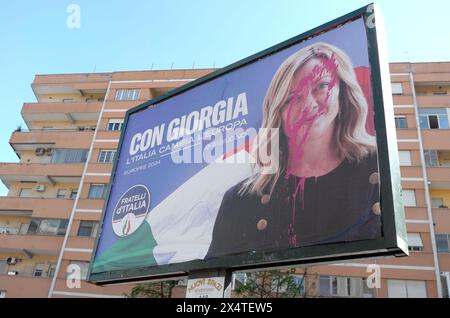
x=303, y=124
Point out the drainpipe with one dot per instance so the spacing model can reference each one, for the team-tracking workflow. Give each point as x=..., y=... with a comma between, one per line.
x=427, y=192
x=80, y=187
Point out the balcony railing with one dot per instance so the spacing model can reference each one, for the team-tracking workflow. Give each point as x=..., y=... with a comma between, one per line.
x=37, y=207
x=13, y=273
x=25, y=286
x=28, y=271
x=9, y=230
x=31, y=244
x=16, y=231
x=52, y=130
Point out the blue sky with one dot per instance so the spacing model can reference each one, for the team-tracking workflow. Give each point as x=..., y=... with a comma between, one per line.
x=136, y=34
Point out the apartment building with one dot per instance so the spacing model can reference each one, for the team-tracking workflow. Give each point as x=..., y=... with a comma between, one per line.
x=51, y=215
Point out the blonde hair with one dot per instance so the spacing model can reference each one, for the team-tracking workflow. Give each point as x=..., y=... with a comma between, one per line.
x=351, y=137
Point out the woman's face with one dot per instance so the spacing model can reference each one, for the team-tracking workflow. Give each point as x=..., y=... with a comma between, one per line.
x=313, y=101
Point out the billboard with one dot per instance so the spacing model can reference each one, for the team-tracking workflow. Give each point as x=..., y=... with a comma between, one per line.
x=286, y=157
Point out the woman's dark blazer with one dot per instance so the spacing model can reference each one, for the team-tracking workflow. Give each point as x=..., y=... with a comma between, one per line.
x=340, y=206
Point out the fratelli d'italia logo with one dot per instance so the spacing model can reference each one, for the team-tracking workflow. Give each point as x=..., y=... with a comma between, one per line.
x=131, y=210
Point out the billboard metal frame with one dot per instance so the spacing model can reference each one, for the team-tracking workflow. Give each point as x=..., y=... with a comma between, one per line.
x=392, y=243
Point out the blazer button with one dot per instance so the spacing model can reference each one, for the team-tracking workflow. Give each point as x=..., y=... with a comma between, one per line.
x=376, y=208
x=374, y=178
x=261, y=225
x=265, y=199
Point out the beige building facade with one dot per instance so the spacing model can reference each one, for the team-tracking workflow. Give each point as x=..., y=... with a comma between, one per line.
x=51, y=216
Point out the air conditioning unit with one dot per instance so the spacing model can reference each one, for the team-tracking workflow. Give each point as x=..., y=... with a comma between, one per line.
x=11, y=261
x=40, y=151
x=40, y=188
x=49, y=151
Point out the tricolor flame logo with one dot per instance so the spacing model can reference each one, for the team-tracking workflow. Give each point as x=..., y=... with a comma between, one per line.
x=127, y=227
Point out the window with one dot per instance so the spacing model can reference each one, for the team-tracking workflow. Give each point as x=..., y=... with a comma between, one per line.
x=405, y=158
x=409, y=197
x=96, y=191
x=73, y=194
x=115, y=124
x=61, y=194
x=83, y=267
x=415, y=242
x=47, y=227
x=24, y=228
x=296, y=285
x=25, y=192
x=406, y=289
x=38, y=270
x=51, y=270
x=300, y=282
x=433, y=118
x=397, y=88
x=324, y=286
x=431, y=158
x=106, y=156
x=400, y=122
x=437, y=202
x=3, y=267
x=62, y=227
x=88, y=229
x=239, y=279
x=442, y=243
x=445, y=282
x=344, y=287
x=69, y=156
x=34, y=225
x=127, y=94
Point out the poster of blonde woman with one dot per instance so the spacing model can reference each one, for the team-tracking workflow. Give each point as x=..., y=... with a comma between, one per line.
x=288, y=156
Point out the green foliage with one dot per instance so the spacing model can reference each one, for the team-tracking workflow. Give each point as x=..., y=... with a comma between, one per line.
x=272, y=284
x=153, y=290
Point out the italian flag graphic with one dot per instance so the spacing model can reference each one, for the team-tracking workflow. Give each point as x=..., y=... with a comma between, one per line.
x=180, y=227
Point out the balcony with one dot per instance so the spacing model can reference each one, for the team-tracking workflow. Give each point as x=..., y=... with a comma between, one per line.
x=403, y=99
x=414, y=259
x=29, y=245
x=55, y=138
x=80, y=84
x=416, y=213
x=441, y=217
x=69, y=112
x=406, y=133
x=436, y=101
x=25, y=286
x=439, y=176
x=436, y=139
x=35, y=172
x=427, y=76
x=36, y=207
x=411, y=172
x=108, y=134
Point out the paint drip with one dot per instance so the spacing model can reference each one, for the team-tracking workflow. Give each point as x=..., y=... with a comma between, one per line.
x=302, y=127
